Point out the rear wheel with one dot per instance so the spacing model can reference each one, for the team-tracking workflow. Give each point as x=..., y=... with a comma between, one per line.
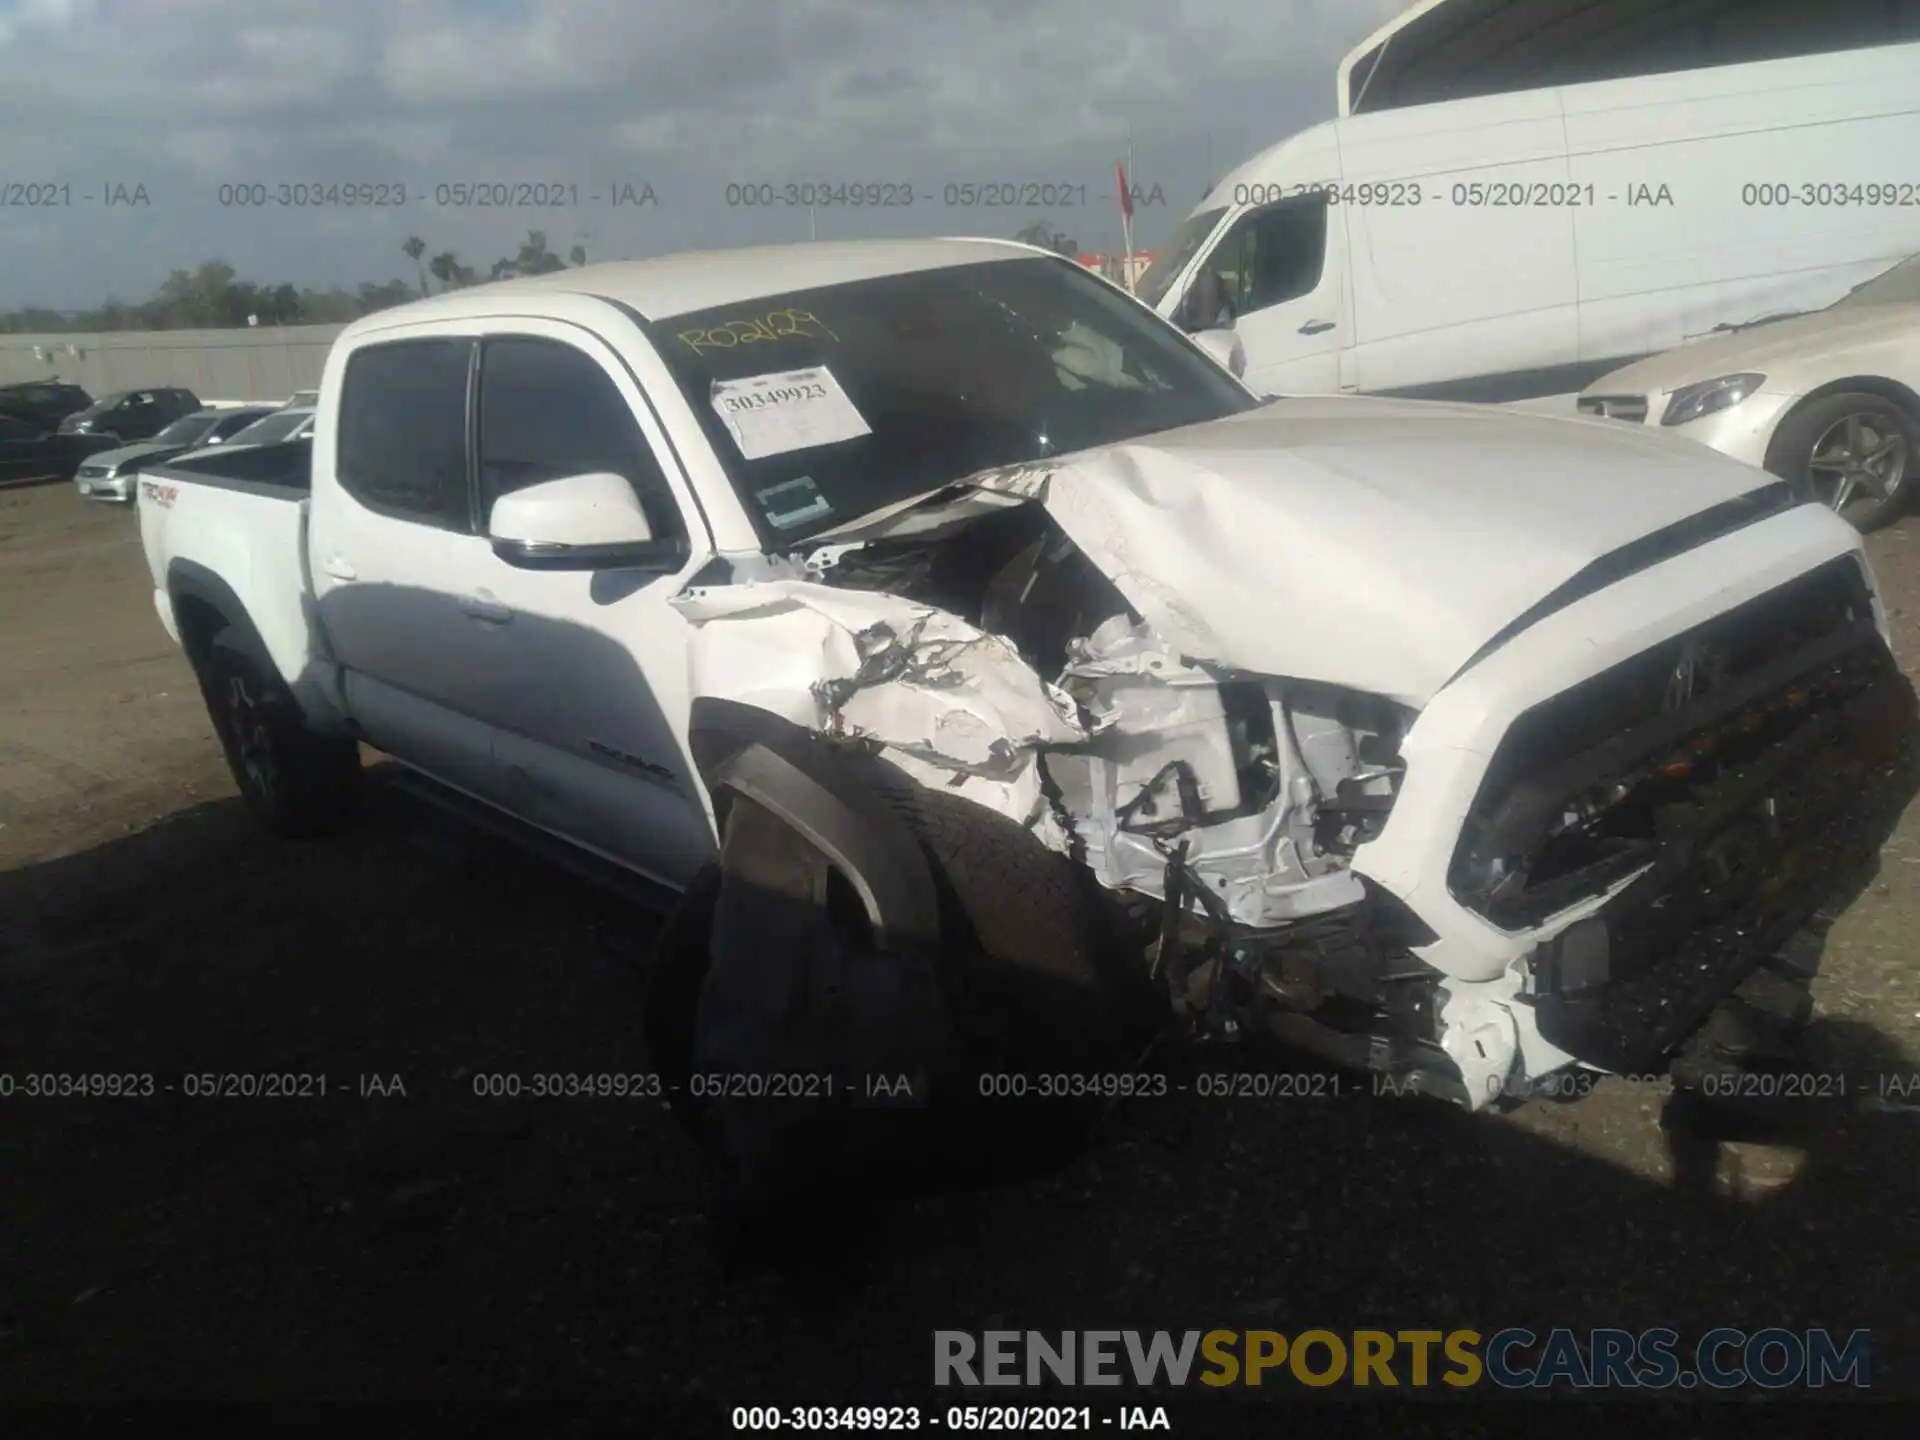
x=297, y=782
x=1852, y=452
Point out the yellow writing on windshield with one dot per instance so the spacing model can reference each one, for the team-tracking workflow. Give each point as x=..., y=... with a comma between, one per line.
x=759, y=329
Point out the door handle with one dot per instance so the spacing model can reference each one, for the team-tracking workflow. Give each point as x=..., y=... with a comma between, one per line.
x=339, y=569
x=1316, y=327
x=484, y=608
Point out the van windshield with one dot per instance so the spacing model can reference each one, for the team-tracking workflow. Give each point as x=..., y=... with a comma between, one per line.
x=1898, y=286
x=851, y=398
x=1171, y=260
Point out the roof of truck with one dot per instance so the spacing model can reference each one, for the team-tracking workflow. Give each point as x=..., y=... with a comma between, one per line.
x=672, y=285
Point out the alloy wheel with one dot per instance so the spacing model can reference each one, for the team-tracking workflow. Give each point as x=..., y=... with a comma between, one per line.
x=252, y=738
x=1858, y=457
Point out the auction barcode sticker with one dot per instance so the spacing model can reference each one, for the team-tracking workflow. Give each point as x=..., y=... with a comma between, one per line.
x=787, y=410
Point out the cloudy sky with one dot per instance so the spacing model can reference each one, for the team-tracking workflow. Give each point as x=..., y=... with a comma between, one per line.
x=182, y=97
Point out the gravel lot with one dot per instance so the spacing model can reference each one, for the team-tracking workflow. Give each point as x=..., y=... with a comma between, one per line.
x=429, y=1242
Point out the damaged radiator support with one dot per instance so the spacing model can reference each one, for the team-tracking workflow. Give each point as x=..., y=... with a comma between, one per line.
x=1345, y=988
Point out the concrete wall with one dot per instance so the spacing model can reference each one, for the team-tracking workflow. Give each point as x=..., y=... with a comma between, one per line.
x=263, y=363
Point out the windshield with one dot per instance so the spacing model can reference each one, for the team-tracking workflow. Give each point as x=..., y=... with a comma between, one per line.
x=843, y=400
x=1897, y=286
x=278, y=426
x=185, y=431
x=106, y=402
x=1184, y=245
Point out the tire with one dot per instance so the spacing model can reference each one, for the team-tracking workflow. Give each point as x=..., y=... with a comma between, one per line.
x=1026, y=988
x=675, y=972
x=1856, y=448
x=1032, y=967
x=297, y=783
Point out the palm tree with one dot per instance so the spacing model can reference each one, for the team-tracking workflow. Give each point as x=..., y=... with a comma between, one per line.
x=448, y=270
x=415, y=247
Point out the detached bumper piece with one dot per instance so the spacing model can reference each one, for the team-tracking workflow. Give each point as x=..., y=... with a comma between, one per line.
x=1776, y=830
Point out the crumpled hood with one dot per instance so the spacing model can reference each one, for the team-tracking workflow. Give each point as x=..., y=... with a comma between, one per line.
x=1792, y=342
x=1368, y=543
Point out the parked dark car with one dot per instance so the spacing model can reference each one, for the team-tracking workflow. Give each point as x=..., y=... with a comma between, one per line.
x=48, y=401
x=29, y=450
x=128, y=415
x=110, y=475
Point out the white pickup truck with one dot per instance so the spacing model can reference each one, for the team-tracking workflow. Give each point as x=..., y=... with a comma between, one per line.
x=971, y=652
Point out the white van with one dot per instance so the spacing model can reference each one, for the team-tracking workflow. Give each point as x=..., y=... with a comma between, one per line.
x=1519, y=244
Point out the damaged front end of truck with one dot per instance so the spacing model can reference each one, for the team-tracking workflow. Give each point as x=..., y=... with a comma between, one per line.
x=1588, y=878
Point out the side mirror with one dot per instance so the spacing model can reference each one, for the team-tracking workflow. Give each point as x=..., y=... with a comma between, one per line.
x=579, y=522
x=1226, y=349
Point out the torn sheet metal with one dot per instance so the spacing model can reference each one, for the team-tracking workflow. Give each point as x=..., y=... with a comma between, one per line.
x=954, y=706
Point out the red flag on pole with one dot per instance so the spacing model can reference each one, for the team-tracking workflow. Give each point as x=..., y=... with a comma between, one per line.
x=1126, y=195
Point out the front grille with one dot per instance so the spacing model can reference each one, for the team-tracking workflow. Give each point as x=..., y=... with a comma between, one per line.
x=1632, y=408
x=1590, y=785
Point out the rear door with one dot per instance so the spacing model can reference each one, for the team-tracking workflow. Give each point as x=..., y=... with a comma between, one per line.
x=397, y=565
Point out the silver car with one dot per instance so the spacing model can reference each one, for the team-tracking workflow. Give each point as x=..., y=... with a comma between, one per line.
x=111, y=475
x=289, y=422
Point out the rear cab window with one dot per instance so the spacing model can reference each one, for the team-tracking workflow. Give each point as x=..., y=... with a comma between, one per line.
x=402, y=432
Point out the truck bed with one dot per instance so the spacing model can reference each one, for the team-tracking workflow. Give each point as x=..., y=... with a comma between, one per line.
x=236, y=519
x=286, y=465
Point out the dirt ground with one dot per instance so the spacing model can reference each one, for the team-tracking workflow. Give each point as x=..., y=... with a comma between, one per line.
x=401, y=1236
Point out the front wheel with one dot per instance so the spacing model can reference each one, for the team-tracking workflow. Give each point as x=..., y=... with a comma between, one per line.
x=1853, y=453
x=1021, y=1000
x=297, y=783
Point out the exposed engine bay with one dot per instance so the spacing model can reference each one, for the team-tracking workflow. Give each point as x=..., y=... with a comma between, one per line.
x=991, y=657
x=1262, y=790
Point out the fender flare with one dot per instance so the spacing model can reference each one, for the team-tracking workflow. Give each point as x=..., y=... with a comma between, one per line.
x=745, y=752
x=188, y=579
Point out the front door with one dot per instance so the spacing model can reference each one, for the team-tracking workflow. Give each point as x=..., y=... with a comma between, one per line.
x=1275, y=278
x=594, y=694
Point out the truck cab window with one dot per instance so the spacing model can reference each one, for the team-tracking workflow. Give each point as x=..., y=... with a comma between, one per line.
x=403, y=430
x=548, y=410
x=1271, y=255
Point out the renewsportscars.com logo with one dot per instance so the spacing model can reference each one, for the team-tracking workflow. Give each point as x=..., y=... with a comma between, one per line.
x=1514, y=1358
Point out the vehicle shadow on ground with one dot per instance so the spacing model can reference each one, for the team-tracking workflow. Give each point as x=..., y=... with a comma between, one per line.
x=415, y=1230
